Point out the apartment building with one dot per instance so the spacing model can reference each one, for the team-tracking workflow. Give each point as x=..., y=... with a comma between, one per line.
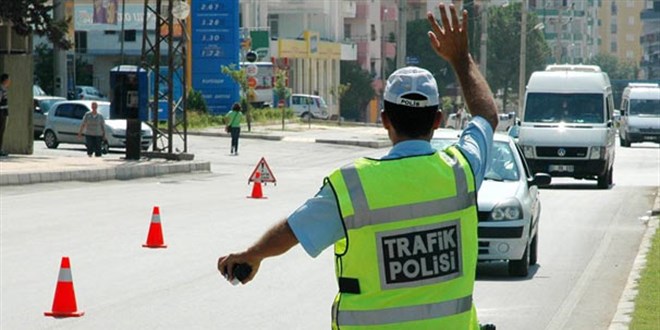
x=650, y=40
x=620, y=28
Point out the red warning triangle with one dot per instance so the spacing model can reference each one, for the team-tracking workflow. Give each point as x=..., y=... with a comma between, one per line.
x=265, y=174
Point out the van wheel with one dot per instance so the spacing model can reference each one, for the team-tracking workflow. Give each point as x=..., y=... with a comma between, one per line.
x=605, y=180
x=624, y=143
x=306, y=116
x=51, y=140
x=520, y=267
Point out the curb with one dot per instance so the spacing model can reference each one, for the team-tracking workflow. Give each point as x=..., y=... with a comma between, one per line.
x=626, y=306
x=131, y=171
x=369, y=144
x=243, y=135
x=359, y=143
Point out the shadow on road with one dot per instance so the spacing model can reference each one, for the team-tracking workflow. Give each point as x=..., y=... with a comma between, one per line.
x=499, y=271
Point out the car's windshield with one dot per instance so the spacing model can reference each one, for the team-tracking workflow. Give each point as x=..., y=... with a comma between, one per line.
x=46, y=104
x=321, y=103
x=645, y=107
x=503, y=166
x=104, y=109
x=564, y=108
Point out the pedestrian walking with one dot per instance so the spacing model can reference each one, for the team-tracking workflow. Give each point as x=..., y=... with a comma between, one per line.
x=4, y=109
x=93, y=127
x=234, y=126
x=404, y=227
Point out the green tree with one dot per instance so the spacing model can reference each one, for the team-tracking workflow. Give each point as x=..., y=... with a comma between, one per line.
x=34, y=17
x=504, y=49
x=240, y=77
x=417, y=45
x=43, y=69
x=281, y=90
x=624, y=70
x=338, y=93
x=354, y=103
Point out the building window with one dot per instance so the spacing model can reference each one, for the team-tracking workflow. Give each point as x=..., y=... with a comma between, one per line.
x=374, y=35
x=273, y=22
x=613, y=46
x=613, y=27
x=629, y=3
x=347, y=31
x=614, y=9
x=631, y=20
x=129, y=35
x=81, y=41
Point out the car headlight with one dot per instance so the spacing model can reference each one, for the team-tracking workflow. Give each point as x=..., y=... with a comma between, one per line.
x=507, y=210
x=528, y=151
x=596, y=152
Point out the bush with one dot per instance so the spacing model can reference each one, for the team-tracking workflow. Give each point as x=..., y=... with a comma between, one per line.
x=202, y=120
x=270, y=114
x=196, y=102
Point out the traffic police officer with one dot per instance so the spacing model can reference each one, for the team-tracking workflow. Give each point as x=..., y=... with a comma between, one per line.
x=404, y=226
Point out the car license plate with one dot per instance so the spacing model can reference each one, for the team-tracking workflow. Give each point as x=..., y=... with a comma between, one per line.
x=561, y=168
x=650, y=138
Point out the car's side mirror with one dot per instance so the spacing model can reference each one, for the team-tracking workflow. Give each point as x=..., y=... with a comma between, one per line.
x=541, y=180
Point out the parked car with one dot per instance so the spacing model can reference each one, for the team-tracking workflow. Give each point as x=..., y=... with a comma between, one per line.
x=64, y=119
x=89, y=93
x=458, y=121
x=37, y=91
x=509, y=207
x=41, y=106
x=307, y=106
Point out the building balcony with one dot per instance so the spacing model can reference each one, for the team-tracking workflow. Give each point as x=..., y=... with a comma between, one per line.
x=389, y=49
x=389, y=13
x=362, y=10
x=348, y=9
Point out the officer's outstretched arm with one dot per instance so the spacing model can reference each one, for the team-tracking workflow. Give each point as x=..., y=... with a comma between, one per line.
x=277, y=240
x=451, y=43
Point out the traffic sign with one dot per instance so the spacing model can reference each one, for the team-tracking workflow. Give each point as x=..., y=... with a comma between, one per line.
x=265, y=174
x=251, y=56
x=252, y=82
x=251, y=69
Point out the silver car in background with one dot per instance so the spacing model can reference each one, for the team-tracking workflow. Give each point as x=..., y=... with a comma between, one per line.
x=508, y=203
x=64, y=119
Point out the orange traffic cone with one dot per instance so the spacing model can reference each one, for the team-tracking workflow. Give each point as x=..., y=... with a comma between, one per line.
x=64, y=303
x=155, y=237
x=256, y=189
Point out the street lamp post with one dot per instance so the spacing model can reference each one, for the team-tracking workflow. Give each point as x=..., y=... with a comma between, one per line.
x=523, y=55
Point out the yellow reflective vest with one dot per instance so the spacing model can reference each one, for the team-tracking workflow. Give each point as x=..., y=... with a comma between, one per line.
x=408, y=259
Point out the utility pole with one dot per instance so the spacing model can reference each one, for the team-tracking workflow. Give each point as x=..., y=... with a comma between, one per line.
x=59, y=55
x=523, y=55
x=483, y=58
x=401, y=38
x=123, y=15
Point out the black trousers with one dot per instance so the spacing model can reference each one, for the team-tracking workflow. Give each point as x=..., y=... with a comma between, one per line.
x=93, y=144
x=235, y=133
x=3, y=124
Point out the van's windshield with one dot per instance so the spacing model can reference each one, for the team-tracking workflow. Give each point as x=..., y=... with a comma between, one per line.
x=564, y=108
x=645, y=107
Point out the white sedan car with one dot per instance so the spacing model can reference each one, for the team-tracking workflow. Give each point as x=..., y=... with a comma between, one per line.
x=508, y=203
x=64, y=119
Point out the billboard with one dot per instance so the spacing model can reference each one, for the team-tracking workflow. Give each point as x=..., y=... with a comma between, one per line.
x=215, y=42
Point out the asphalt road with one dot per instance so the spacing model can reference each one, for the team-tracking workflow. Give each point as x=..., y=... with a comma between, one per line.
x=588, y=240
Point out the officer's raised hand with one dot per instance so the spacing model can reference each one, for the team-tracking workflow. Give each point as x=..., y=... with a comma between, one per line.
x=450, y=40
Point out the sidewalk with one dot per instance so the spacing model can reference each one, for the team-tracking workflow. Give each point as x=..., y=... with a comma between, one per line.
x=42, y=167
